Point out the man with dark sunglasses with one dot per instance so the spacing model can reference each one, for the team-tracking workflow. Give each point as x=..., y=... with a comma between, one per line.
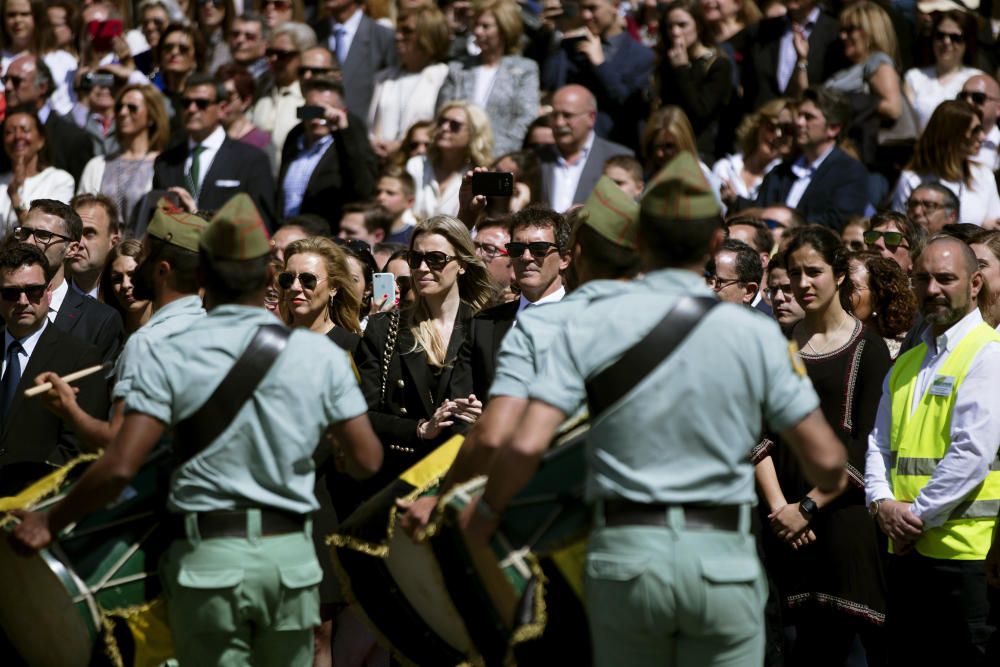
x=210, y=166
x=275, y=112
x=895, y=237
x=983, y=92
x=33, y=440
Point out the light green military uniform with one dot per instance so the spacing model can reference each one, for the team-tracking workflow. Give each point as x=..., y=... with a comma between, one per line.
x=253, y=600
x=670, y=595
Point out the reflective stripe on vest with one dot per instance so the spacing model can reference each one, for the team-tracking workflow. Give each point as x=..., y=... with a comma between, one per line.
x=919, y=442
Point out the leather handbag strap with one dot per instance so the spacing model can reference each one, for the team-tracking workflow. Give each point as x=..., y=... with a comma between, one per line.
x=198, y=431
x=610, y=385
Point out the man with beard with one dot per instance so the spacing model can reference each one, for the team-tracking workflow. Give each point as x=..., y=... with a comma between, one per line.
x=930, y=473
x=166, y=276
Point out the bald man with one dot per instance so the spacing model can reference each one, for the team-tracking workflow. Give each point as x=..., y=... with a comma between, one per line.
x=572, y=166
x=983, y=92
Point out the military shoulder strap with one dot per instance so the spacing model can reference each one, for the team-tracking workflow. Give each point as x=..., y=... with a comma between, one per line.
x=611, y=384
x=198, y=431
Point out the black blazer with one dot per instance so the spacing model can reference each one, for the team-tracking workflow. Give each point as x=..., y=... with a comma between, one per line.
x=237, y=167
x=93, y=322
x=34, y=441
x=347, y=172
x=487, y=331
x=837, y=191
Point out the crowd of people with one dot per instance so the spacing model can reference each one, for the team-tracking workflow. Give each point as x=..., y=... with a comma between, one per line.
x=833, y=167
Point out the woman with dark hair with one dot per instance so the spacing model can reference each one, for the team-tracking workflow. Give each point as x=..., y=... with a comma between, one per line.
x=699, y=78
x=31, y=177
x=361, y=267
x=117, y=285
x=946, y=153
x=240, y=86
x=499, y=81
x=64, y=24
x=953, y=44
x=878, y=294
x=826, y=558
x=180, y=53
x=405, y=94
x=214, y=20
x=316, y=291
x=142, y=131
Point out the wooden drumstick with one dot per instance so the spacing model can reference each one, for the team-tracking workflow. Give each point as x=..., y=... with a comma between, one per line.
x=72, y=377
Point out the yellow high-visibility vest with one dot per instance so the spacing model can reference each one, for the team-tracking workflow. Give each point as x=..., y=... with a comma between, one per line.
x=919, y=441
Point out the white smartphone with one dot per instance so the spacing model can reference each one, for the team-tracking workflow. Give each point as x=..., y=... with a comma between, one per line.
x=383, y=286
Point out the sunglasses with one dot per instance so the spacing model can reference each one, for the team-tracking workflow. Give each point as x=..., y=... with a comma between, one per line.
x=975, y=98
x=450, y=123
x=280, y=54
x=489, y=251
x=783, y=128
x=13, y=294
x=43, y=236
x=354, y=245
x=953, y=37
x=538, y=249
x=170, y=47
x=156, y=23
x=11, y=81
x=132, y=108
x=435, y=260
x=214, y=3
x=199, y=102
x=315, y=71
x=277, y=4
x=308, y=280
x=782, y=288
x=892, y=239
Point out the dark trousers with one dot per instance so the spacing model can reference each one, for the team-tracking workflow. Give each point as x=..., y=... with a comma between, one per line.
x=825, y=637
x=938, y=612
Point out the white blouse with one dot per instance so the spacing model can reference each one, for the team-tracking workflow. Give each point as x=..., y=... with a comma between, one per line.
x=50, y=183
x=929, y=92
x=401, y=99
x=430, y=198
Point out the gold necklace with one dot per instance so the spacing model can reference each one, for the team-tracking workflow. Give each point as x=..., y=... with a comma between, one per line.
x=828, y=342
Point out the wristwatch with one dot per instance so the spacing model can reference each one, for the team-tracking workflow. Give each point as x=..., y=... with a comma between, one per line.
x=874, y=505
x=807, y=506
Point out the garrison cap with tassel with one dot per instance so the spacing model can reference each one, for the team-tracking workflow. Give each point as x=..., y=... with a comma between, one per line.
x=680, y=192
x=176, y=226
x=612, y=214
x=237, y=231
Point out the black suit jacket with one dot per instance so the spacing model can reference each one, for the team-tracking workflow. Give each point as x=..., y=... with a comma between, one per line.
x=487, y=331
x=237, y=167
x=372, y=49
x=760, y=69
x=347, y=172
x=837, y=191
x=91, y=321
x=34, y=441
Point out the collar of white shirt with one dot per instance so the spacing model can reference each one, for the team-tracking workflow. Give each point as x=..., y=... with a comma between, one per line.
x=802, y=170
x=28, y=343
x=56, y=298
x=951, y=338
x=561, y=161
x=351, y=24
x=551, y=298
x=212, y=142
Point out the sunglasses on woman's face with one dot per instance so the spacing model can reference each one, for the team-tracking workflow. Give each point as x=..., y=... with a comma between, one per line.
x=132, y=108
x=435, y=260
x=307, y=280
x=953, y=37
x=454, y=126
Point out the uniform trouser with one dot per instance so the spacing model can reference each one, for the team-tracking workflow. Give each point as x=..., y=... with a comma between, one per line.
x=938, y=612
x=669, y=596
x=242, y=601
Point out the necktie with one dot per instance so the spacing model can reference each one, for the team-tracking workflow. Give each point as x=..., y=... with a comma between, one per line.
x=11, y=378
x=341, y=35
x=195, y=172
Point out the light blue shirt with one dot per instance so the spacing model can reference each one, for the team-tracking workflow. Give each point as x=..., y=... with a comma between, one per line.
x=264, y=458
x=684, y=433
x=300, y=171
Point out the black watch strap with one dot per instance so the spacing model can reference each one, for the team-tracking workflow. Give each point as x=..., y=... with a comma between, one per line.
x=808, y=507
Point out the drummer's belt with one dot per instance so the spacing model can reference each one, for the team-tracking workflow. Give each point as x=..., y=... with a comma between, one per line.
x=696, y=517
x=233, y=523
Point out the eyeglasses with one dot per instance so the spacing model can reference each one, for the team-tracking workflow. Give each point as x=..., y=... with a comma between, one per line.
x=132, y=108
x=43, y=236
x=718, y=284
x=170, y=47
x=892, y=239
x=13, y=294
x=280, y=54
x=308, y=280
x=975, y=98
x=450, y=123
x=435, y=260
x=785, y=289
x=156, y=23
x=199, y=102
x=11, y=81
x=567, y=115
x=488, y=251
x=251, y=36
x=306, y=72
x=277, y=4
x=538, y=249
x=928, y=206
x=953, y=37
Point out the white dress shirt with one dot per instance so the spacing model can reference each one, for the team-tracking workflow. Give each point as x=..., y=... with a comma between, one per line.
x=804, y=175
x=987, y=154
x=211, y=145
x=566, y=177
x=27, y=347
x=523, y=303
x=787, y=56
x=56, y=298
x=350, y=28
x=975, y=428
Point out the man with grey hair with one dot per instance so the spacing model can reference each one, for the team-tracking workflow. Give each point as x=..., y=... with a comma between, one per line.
x=983, y=92
x=277, y=111
x=932, y=206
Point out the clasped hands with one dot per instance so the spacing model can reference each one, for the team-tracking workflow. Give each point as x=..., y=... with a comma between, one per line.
x=467, y=410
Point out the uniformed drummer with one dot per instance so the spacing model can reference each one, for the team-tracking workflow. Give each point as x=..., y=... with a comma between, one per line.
x=241, y=576
x=672, y=574
x=167, y=277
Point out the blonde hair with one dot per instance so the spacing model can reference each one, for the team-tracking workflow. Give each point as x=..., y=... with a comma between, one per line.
x=344, y=305
x=876, y=26
x=508, y=17
x=480, y=150
x=159, y=133
x=746, y=135
x=474, y=286
x=673, y=119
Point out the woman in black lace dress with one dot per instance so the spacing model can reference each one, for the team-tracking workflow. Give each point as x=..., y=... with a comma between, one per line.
x=823, y=550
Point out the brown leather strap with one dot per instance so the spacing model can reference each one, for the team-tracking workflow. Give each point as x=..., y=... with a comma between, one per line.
x=696, y=517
